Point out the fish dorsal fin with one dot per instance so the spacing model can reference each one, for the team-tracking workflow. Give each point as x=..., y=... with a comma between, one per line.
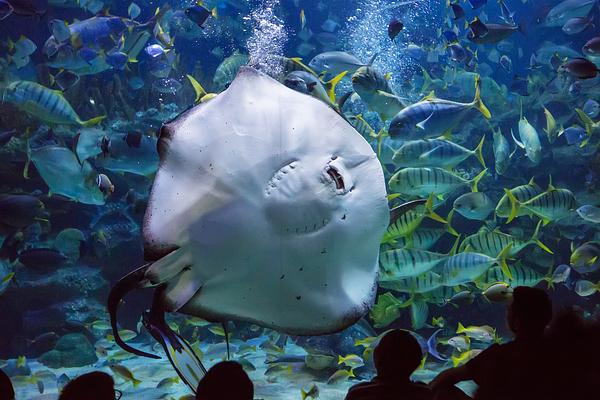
x=532, y=181
x=429, y=97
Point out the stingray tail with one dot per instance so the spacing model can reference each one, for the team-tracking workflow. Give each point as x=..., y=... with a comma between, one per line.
x=181, y=355
x=134, y=280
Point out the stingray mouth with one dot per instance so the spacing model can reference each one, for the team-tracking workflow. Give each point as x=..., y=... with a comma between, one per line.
x=335, y=174
x=336, y=177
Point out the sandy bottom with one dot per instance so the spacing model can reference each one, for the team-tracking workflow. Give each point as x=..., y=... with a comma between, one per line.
x=281, y=385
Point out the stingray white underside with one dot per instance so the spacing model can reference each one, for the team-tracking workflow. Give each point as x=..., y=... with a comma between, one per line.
x=275, y=206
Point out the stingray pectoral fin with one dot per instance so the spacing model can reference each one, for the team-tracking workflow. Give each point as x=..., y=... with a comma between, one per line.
x=180, y=290
x=167, y=267
x=134, y=280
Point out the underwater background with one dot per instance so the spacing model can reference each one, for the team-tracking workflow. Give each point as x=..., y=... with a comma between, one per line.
x=484, y=113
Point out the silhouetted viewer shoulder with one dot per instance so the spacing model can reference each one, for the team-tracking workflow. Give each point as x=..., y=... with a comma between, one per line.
x=225, y=380
x=396, y=357
x=518, y=369
x=6, y=389
x=91, y=386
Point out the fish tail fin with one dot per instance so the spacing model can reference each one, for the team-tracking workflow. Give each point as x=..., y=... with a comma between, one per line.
x=514, y=205
x=332, y=84
x=548, y=278
x=476, y=180
x=198, y=89
x=426, y=80
x=502, y=261
x=304, y=394
x=455, y=361
x=461, y=328
x=135, y=382
x=373, y=57
x=587, y=121
x=534, y=239
x=158, y=14
x=214, y=12
x=449, y=227
x=478, y=151
x=454, y=248
x=340, y=359
x=432, y=214
x=521, y=28
x=93, y=121
x=477, y=103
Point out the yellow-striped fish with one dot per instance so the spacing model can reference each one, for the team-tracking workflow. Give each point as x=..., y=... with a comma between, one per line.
x=46, y=104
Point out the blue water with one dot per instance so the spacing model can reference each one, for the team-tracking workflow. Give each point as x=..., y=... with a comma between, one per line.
x=92, y=228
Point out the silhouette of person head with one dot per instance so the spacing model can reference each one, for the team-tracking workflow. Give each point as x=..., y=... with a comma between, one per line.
x=225, y=380
x=529, y=312
x=91, y=386
x=6, y=388
x=397, y=355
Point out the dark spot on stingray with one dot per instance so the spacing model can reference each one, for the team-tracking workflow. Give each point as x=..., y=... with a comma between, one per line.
x=282, y=276
x=301, y=269
x=298, y=297
x=343, y=216
x=323, y=251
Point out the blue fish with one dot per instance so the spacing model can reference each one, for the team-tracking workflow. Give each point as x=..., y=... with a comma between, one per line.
x=574, y=134
x=450, y=36
x=457, y=10
x=475, y=4
x=199, y=14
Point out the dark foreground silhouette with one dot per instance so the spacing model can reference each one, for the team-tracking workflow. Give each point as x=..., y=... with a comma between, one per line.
x=396, y=357
x=225, y=380
x=549, y=360
x=91, y=386
x=6, y=390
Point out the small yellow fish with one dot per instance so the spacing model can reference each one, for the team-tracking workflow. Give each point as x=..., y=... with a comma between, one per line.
x=302, y=19
x=7, y=278
x=101, y=325
x=24, y=380
x=194, y=321
x=125, y=373
x=101, y=350
x=499, y=292
x=125, y=334
x=340, y=375
x=440, y=322
x=312, y=392
x=21, y=361
x=167, y=382
x=120, y=355
x=483, y=333
x=464, y=357
x=351, y=360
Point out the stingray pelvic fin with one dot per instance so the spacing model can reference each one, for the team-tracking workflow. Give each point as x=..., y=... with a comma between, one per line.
x=181, y=355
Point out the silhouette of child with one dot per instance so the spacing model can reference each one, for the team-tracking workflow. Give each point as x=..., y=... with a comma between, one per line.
x=225, y=380
x=515, y=370
x=91, y=386
x=396, y=357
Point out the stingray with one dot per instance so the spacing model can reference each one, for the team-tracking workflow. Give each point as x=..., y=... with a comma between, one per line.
x=267, y=207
